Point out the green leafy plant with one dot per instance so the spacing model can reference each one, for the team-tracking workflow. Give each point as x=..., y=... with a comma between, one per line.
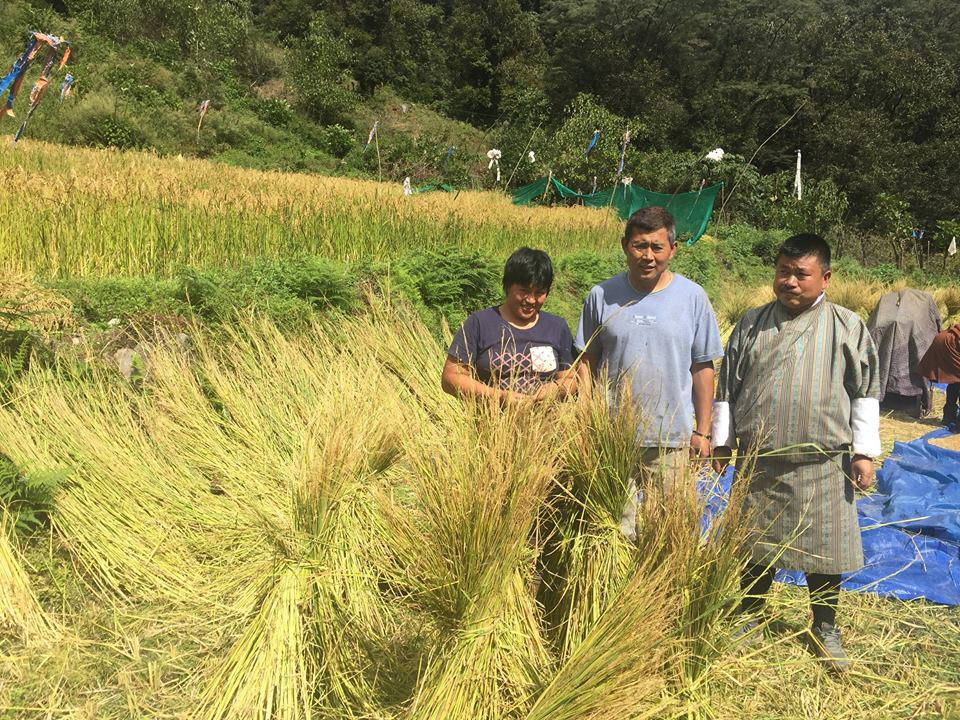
x=28, y=497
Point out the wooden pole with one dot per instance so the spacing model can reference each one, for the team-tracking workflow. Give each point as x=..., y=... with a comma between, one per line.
x=376, y=140
x=522, y=156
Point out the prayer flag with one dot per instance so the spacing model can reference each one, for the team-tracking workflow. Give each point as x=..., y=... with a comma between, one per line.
x=204, y=106
x=593, y=141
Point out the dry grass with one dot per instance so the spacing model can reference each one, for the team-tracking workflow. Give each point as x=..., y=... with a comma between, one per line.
x=948, y=302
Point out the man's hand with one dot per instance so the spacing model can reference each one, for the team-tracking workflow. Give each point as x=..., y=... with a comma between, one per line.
x=699, y=448
x=861, y=472
x=721, y=458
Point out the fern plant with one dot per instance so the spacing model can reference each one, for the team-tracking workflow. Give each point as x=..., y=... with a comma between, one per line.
x=28, y=497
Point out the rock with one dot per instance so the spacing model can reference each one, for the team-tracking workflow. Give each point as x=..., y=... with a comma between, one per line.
x=124, y=359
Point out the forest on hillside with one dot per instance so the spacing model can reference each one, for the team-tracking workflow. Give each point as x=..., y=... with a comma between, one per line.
x=866, y=88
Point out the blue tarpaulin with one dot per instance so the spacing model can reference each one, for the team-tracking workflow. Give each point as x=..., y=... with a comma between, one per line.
x=910, y=526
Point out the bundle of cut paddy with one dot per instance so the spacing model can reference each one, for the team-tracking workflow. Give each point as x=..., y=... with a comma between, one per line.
x=587, y=558
x=298, y=438
x=707, y=559
x=463, y=552
x=132, y=520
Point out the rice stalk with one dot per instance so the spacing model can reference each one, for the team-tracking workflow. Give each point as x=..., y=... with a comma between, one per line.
x=860, y=296
x=265, y=674
x=330, y=529
x=19, y=607
x=707, y=559
x=616, y=670
x=132, y=525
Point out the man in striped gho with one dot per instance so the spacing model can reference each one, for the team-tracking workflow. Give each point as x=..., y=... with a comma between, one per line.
x=799, y=385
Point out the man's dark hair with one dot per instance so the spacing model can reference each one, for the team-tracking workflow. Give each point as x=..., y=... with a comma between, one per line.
x=650, y=219
x=805, y=245
x=530, y=268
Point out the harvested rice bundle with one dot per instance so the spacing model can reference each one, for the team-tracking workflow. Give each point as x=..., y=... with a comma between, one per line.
x=327, y=537
x=706, y=559
x=131, y=525
x=463, y=552
x=587, y=558
x=616, y=670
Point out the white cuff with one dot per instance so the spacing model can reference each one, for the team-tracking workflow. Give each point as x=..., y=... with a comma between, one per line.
x=721, y=424
x=865, y=423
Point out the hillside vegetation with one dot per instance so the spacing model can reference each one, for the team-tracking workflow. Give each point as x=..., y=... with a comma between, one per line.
x=865, y=89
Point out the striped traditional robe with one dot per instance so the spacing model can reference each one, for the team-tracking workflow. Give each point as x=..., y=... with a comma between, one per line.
x=790, y=383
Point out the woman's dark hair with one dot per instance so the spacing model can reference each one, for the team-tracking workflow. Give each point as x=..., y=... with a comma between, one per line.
x=805, y=245
x=530, y=268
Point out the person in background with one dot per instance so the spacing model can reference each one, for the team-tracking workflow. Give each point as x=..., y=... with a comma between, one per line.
x=799, y=385
x=941, y=364
x=514, y=351
x=653, y=333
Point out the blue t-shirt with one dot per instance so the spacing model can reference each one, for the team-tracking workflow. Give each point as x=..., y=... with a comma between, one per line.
x=507, y=357
x=651, y=340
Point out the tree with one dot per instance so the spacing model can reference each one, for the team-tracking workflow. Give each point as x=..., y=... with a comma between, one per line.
x=319, y=75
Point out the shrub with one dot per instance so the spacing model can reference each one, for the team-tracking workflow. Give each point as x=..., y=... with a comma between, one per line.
x=287, y=290
x=886, y=273
x=449, y=283
x=338, y=140
x=98, y=120
x=101, y=299
x=275, y=111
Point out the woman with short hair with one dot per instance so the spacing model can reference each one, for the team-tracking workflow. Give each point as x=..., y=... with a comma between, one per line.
x=513, y=350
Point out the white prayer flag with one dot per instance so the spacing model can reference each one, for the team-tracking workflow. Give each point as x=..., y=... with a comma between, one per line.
x=797, y=183
x=494, y=156
x=952, y=250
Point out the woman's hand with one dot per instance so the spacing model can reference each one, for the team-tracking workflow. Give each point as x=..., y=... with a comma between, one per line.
x=547, y=391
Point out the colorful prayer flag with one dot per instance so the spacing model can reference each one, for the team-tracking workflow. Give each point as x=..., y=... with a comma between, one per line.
x=204, y=106
x=593, y=141
x=66, y=86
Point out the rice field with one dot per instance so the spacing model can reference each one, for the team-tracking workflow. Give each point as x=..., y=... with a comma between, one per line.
x=307, y=527
x=302, y=525
x=76, y=212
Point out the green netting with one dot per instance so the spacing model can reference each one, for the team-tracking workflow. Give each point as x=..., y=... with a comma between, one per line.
x=691, y=210
x=430, y=187
x=528, y=193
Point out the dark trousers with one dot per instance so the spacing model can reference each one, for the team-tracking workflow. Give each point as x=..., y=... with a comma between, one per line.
x=950, y=410
x=824, y=592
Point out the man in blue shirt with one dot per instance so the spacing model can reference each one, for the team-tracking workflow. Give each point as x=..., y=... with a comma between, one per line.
x=654, y=331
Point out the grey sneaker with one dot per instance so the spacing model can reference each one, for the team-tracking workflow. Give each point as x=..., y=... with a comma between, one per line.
x=825, y=640
x=747, y=635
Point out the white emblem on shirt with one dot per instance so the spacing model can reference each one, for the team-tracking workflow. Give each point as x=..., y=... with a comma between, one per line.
x=543, y=358
x=645, y=320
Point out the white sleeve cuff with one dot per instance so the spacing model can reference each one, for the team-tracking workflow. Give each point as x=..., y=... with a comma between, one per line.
x=865, y=423
x=721, y=424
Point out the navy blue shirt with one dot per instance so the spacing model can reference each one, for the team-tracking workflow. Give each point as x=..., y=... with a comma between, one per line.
x=510, y=358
